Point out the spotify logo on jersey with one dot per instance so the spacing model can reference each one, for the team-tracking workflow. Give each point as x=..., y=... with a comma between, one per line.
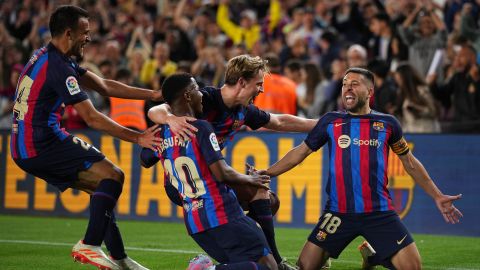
x=344, y=141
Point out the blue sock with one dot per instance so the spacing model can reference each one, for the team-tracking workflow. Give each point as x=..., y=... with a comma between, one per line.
x=113, y=240
x=102, y=202
x=241, y=266
x=261, y=212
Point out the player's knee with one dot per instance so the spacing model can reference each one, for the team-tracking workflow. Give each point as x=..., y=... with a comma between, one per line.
x=116, y=174
x=274, y=202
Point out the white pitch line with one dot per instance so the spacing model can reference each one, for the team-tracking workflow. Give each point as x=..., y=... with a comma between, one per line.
x=45, y=243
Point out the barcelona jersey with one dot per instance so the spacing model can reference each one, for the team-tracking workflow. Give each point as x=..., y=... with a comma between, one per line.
x=207, y=203
x=228, y=121
x=48, y=82
x=358, y=153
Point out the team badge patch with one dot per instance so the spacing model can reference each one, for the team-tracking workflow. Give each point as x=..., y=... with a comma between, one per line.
x=378, y=126
x=214, y=142
x=321, y=236
x=72, y=85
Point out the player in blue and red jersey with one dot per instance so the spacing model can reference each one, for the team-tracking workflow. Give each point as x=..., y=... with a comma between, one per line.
x=50, y=80
x=228, y=109
x=197, y=170
x=359, y=202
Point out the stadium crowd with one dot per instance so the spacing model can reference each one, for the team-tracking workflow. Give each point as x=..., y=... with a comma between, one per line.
x=423, y=53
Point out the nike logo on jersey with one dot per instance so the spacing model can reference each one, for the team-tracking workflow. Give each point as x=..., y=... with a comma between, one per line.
x=399, y=242
x=339, y=124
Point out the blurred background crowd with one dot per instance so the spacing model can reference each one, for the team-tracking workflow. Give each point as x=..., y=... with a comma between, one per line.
x=423, y=53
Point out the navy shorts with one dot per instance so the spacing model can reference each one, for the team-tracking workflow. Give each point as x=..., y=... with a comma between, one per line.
x=237, y=241
x=383, y=230
x=60, y=164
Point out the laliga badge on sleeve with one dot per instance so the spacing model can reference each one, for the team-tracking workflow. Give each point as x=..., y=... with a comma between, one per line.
x=214, y=142
x=72, y=85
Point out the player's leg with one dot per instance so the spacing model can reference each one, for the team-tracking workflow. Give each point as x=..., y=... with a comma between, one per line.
x=408, y=258
x=237, y=245
x=328, y=238
x=312, y=257
x=390, y=239
x=260, y=210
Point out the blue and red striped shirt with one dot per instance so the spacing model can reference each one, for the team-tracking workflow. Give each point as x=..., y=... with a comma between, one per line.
x=207, y=203
x=48, y=82
x=358, y=152
x=228, y=121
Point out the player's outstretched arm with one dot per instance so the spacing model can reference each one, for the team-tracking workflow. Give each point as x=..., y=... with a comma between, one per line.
x=227, y=174
x=113, y=88
x=444, y=202
x=99, y=121
x=162, y=114
x=290, y=160
x=290, y=123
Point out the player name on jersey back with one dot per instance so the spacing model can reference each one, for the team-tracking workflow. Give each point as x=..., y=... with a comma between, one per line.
x=171, y=142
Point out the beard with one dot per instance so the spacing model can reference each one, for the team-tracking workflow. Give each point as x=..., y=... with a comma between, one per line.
x=358, y=106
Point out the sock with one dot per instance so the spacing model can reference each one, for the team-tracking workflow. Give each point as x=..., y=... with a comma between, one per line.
x=102, y=202
x=113, y=240
x=241, y=266
x=261, y=212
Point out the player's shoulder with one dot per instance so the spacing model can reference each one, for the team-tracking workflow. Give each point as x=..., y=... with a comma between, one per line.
x=332, y=116
x=210, y=90
x=202, y=125
x=383, y=117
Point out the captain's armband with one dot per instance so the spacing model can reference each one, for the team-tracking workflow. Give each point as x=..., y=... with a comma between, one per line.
x=400, y=147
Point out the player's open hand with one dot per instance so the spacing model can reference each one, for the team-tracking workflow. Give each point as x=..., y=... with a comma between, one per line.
x=148, y=139
x=180, y=125
x=260, y=181
x=450, y=213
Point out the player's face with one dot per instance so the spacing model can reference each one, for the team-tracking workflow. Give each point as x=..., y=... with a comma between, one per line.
x=79, y=38
x=356, y=93
x=251, y=89
x=195, y=98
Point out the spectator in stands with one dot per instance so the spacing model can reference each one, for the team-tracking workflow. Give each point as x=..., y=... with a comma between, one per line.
x=415, y=104
x=424, y=38
x=357, y=56
x=279, y=92
x=248, y=32
x=386, y=44
x=308, y=32
x=312, y=99
x=7, y=94
x=210, y=66
x=385, y=94
x=160, y=66
x=463, y=87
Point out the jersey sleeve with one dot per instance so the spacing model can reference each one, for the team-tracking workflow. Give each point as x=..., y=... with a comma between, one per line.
x=318, y=136
x=396, y=141
x=207, y=141
x=256, y=118
x=66, y=85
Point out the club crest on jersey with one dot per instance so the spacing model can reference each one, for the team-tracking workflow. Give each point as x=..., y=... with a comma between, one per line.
x=321, y=236
x=214, y=142
x=378, y=126
x=72, y=85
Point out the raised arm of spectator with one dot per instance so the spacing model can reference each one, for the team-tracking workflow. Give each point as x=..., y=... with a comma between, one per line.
x=113, y=88
x=178, y=19
x=467, y=23
x=232, y=30
x=138, y=35
x=275, y=13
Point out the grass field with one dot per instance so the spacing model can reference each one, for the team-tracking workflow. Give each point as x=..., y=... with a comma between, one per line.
x=45, y=243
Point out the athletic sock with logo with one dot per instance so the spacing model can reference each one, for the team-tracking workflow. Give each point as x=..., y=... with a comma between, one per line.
x=261, y=212
x=102, y=202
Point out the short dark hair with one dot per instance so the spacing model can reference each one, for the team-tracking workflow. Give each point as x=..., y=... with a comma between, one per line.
x=382, y=16
x=123, y=74
x=365, y=72
x=65, y=17
x=175, y=85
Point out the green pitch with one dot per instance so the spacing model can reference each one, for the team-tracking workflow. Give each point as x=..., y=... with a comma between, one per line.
x=45, y=243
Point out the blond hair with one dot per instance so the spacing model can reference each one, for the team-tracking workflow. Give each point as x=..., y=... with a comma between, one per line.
x=244, y=66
